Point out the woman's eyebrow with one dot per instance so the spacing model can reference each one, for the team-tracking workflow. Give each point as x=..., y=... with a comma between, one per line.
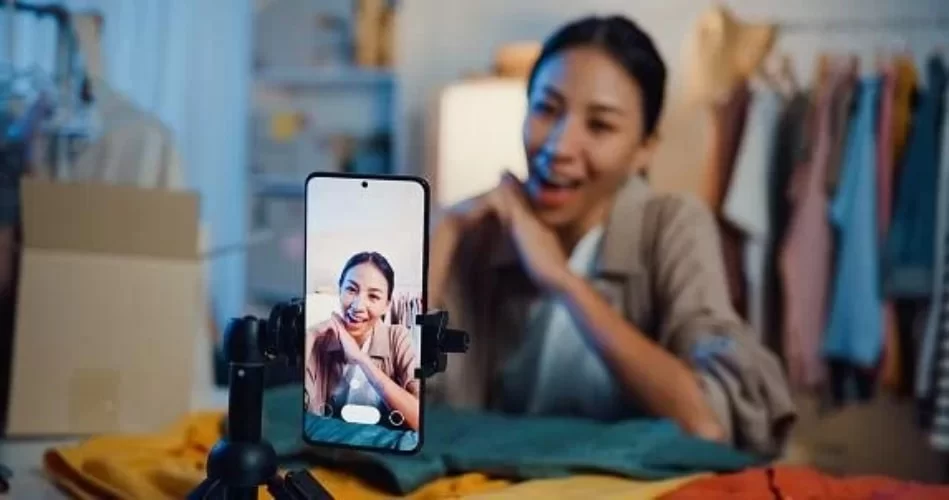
x=604, y=107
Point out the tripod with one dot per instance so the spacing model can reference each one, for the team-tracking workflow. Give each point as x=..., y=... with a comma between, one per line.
x=243, y=461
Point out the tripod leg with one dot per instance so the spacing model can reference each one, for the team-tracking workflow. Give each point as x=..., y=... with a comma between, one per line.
x=297, y=485
x=209, y=489
x=215, y=489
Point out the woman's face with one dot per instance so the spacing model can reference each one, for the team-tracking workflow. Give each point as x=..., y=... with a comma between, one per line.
x=363, y=297
x=583, y=136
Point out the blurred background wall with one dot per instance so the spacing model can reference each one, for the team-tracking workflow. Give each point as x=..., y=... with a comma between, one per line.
x=439, y=41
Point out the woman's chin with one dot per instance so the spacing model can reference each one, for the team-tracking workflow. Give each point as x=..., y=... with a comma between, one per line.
x=554, y=216
x=356, y=328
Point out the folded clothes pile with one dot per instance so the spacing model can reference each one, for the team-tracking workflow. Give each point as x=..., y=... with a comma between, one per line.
x=470, y=455
x=516, y=448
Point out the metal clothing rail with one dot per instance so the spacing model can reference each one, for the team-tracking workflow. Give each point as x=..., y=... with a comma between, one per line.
x=69, y=76
x=58, y=12
x=66, y=41
x=864, y=25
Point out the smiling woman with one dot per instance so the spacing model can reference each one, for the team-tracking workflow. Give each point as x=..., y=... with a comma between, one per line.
x=588, y=293
x=358, y=368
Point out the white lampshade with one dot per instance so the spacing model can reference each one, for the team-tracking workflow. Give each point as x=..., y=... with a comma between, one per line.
x=479, y=136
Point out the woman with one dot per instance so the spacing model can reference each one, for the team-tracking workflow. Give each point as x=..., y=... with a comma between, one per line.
x=585, y=293
x=357, y=345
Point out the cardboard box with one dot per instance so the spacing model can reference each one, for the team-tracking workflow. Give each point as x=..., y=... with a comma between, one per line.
x=108, y=306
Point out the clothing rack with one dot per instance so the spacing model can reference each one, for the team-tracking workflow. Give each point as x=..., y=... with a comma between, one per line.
x=57, y=12
x=66, y=45
x=864, y=25
x=70, y=78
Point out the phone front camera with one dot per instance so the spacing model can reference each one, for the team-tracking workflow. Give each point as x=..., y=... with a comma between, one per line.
x=365, y=184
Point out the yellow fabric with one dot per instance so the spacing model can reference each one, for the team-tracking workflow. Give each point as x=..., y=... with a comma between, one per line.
x=169, y=464
x=906, y=81
x=587, y=487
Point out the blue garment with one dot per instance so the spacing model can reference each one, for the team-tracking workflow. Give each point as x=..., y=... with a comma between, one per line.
x=855, y=326
x=908, y=262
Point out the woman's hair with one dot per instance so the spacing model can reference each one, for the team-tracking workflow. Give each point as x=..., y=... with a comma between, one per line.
x=629, y=45
x=377, y=260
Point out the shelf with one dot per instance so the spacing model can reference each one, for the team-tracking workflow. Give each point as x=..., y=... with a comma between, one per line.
x=272, y=186
x=329, y=76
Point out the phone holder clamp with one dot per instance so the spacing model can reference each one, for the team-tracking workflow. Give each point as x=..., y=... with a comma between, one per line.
x=243, y=461
x=437, y=342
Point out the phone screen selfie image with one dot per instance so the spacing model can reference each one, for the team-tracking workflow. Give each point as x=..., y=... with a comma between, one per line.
x=365, y=284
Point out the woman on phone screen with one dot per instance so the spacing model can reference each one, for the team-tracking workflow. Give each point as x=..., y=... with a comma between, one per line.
x=585, y=292
x=357, y=351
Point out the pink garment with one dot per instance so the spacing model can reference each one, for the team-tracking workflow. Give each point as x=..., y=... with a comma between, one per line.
x=806, y=253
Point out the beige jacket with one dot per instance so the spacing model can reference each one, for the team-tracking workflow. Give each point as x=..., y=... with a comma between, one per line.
x=660, y=264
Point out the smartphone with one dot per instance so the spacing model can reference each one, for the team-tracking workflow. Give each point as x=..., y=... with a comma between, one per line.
x=366, y=267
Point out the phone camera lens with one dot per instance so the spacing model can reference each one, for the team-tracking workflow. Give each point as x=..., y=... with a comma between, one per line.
x=365, y=184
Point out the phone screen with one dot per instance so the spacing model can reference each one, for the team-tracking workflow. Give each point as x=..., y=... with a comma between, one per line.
x=366, y=247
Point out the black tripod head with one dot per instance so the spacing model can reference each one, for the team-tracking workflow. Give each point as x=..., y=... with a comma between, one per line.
x=243, y=461
x=255, y=340
x=281, y=338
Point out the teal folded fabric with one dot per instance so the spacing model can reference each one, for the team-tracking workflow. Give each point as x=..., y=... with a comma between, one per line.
x=514, y=447
x=331, y=430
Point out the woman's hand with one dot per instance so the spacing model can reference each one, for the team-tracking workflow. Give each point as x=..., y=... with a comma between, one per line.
x=350, y=348
x=334, y=326
x=541, y=252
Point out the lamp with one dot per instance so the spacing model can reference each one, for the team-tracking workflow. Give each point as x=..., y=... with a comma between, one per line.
x=478, y=136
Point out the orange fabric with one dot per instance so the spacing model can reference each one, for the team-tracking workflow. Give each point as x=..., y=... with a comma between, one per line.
x=169, y=464
x=801, y=483
x=906, y=83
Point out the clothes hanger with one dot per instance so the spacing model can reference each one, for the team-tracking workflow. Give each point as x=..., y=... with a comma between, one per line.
x=849, y=63
x=771, y=80
x=787, y=74
x=880, y=61
x=822, y=71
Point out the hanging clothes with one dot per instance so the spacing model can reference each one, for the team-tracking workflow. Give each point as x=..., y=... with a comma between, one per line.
x=905, y=311
x=932, y=375
x=853, y=340
x=731, y=128
x=132, y=147
x=891, y=375
x=904, y=94
x=805, y=256
x=135, y=147
x=910, y=245
x=841, y=111
x=790, y=149
x=748, y=192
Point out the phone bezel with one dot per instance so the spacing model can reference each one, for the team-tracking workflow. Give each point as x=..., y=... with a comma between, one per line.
x=369, y=178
